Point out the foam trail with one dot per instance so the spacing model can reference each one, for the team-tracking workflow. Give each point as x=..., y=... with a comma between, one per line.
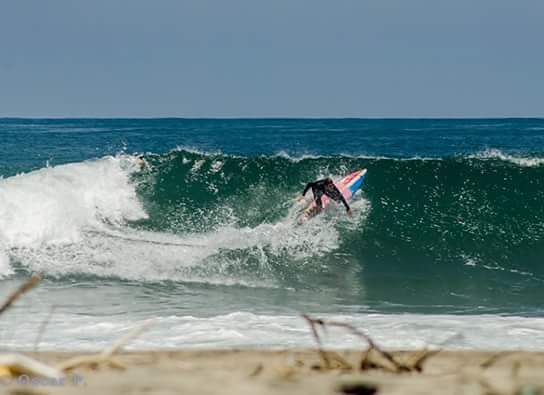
x=133, y=254
x=229, y=255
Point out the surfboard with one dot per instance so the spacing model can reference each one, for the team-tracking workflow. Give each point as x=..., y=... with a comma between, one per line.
x=347, y=186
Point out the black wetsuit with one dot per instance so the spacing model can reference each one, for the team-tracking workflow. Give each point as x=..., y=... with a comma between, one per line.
x=319, y=189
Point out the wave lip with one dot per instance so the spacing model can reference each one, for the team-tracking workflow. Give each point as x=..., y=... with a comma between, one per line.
x=523, y=161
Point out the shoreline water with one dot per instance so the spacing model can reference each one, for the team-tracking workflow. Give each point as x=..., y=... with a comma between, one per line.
x=272, y=332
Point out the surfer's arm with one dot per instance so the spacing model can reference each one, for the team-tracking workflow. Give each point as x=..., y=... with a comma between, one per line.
x=337, y=196
x=308, y=186
x=346, y=205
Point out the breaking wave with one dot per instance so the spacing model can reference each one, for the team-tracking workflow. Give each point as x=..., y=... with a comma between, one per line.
x=191, y=216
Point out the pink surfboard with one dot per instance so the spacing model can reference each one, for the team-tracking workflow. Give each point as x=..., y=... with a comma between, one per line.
x=347, y=186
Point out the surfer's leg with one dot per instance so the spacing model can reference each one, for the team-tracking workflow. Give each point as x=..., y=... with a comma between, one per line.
x=318, y=202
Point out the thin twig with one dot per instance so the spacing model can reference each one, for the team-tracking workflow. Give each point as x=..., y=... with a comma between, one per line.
x=313, y=322
x=417, y=362
x=24, y=288
x=372, y=345
x=107, y=354
x=493, y=359
x=43, y=325
x=127, y=338
x=399, y=366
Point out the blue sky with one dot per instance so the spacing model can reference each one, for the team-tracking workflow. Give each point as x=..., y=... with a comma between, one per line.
x=254, y=58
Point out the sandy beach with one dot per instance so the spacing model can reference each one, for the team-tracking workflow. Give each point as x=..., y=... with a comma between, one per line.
x=288, y=372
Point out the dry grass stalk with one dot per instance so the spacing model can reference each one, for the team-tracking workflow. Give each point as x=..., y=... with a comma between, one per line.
x=43, y=325
x=13, y=365
x=392, y=364
x=493, y=359
x=24, y=288
x=417, y=361
x=105, y=357
x=313, y=326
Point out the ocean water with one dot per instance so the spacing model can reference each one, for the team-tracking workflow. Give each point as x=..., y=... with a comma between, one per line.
x=445, y=247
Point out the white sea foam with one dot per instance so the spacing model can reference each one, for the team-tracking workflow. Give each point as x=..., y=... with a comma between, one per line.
x=5, y=268
x=301, y=157
x=154, y=256
x=198, y=151
x=515, y=159
x=73, y=331
x=51, y=206
x=306, y=156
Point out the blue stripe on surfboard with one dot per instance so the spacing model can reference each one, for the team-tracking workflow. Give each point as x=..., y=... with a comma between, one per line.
x=357, y=184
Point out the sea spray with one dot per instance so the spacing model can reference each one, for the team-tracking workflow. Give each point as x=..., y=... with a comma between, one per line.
x=52, y=206
x=5, y=269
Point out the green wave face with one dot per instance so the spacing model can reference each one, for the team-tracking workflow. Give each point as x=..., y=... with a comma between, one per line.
x=472, y=211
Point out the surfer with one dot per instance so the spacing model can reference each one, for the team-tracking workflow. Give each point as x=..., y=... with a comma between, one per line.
x=140, y=162
x=325, y=187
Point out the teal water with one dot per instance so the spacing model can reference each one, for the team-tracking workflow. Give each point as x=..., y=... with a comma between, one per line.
x=446, y=233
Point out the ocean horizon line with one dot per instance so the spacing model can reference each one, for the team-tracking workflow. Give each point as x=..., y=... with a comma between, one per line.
x=265, y=118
